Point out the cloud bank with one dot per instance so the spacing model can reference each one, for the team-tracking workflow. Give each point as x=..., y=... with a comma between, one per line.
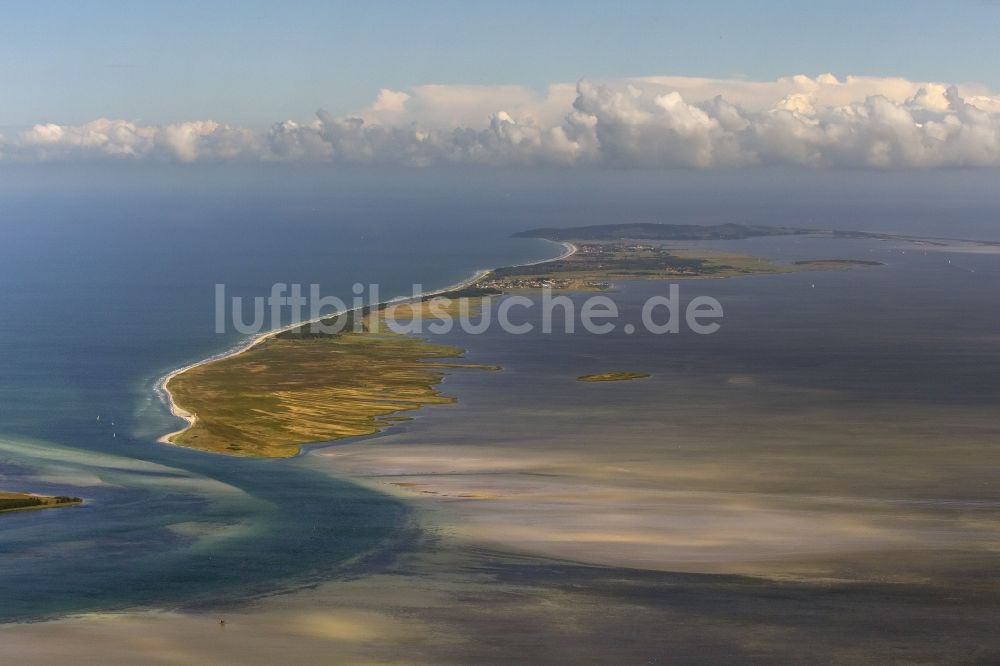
x=652, y=122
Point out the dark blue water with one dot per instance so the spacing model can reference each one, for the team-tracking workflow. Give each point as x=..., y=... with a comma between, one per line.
x=99, y=296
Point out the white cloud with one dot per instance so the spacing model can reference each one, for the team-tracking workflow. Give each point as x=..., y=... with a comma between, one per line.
x=390, y=100
x=645, y=122
x=185, y=142
x=470, y=106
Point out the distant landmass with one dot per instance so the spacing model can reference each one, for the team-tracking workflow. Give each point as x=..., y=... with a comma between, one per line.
x=658, y=231
x=729, y=231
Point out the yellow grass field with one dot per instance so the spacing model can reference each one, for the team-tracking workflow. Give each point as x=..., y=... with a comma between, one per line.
x=290, y=391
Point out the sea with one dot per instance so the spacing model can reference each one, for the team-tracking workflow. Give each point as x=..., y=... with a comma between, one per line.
x=107, y=282
x=101, y=296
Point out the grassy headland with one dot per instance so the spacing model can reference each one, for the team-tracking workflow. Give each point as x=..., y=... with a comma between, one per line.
x=297, y=388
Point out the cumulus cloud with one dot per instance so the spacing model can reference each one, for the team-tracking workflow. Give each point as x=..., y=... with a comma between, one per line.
x=184, y=142
x=649, y=122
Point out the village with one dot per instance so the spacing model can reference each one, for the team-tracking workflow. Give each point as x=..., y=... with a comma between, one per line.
x=542, y=282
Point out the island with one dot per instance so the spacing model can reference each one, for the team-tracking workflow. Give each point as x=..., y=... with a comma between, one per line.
x=10, y=502
x=613, y=377
x=836, y=263
x=296, y=386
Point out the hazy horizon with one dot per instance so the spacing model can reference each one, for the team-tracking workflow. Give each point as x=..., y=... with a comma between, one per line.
x=963, y=203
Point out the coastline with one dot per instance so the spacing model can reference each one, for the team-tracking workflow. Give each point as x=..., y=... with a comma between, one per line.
x=162, y=387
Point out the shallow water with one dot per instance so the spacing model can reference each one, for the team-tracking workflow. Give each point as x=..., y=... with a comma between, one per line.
x=840, y=421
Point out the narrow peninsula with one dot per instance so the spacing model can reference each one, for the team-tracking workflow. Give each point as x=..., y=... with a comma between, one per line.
x=293, y=387
x=299, y=387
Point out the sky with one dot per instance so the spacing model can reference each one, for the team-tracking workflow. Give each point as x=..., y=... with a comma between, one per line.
x=225, y=74
x=252, y=62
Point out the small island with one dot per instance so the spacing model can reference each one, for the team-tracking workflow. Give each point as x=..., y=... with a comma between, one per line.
x=613, y=377
x=836, y=263
x=27, y=501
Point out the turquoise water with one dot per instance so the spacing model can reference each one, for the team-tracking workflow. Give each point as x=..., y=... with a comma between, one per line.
x=100, y=297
